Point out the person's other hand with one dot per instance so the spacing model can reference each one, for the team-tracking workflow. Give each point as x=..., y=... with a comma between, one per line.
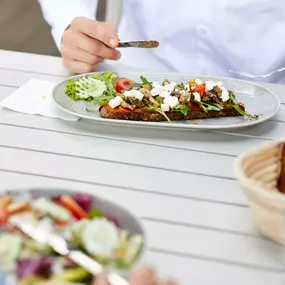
x=142, y=276
x=86, y=43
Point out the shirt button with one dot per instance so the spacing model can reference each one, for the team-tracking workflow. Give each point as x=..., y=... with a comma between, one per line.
x=202, y=30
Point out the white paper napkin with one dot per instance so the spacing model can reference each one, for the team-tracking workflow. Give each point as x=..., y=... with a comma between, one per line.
x=35, y=98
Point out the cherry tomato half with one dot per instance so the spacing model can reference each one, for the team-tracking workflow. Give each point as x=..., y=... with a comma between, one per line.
x=201, y=89
x=123, y=84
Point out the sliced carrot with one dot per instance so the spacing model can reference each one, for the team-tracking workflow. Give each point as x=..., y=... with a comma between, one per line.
x=73, y=207
x=4, y=216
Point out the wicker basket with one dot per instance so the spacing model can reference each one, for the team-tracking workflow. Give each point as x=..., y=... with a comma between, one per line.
x=258, y=172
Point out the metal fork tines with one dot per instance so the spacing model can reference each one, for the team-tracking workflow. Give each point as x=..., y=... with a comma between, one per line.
x=60, y=245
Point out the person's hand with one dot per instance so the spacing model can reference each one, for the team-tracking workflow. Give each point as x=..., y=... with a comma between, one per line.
x=86, y=43
x=142, y=276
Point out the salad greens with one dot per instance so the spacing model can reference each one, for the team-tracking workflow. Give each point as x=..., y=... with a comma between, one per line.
x=98, y=89
x=84, y=227
x=184, y=109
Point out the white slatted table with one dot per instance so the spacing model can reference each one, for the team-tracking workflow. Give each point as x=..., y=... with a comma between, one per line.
x=180, y=183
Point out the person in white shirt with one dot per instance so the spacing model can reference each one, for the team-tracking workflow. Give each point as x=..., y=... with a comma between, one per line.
x=196, y=36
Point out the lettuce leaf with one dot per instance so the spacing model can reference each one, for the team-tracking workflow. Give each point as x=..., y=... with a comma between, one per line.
x=91, y=89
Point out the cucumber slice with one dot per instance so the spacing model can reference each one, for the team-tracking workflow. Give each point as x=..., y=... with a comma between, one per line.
x=31, y=280
x=48, y=207
x=135, y=244
x=72, y=275
x=10, y=248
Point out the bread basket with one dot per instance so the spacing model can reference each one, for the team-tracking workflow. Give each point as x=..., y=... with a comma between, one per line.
x=258, y=172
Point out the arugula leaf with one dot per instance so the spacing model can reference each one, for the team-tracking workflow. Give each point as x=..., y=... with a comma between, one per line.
x=181, y=86
x=238, y=108
x=209, y=107
x=218, y=106
x=184, y=109
x=243, y=113
x=158, y=110
x=200, y=104
x=137, y=85
x=145, y=81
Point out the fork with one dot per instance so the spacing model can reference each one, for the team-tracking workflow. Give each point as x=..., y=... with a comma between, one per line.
x=60, y=246
x=250, y=75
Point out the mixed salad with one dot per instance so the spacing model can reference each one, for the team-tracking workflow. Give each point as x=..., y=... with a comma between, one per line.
x=74, y=218
x=162, y=97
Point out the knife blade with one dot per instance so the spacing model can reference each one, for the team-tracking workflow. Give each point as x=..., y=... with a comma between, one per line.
x=60, y=245
x=139, y=44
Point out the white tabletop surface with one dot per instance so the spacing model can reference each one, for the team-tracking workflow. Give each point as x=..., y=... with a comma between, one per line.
x=180, y=183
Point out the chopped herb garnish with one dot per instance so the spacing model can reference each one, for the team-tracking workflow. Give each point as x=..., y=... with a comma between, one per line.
x=181, y=86
x=158, y=110
x=145, y=81
x=145, y=102
x=184, y=109
x=137, y=84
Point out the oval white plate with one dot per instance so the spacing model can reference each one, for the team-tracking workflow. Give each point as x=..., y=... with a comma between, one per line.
x=257, y=100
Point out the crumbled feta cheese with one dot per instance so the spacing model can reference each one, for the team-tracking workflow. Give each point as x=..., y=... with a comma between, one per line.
x=164, y=94
x=197, y=96
x=210, y=85
x=171, y=101
x=225, y=95
x=170, y=87
x=220, y=84
x=135, y=94
x=113, y=103
x=163, y=91
x=156, y=90
x=155, y=84
x=198, y=81
x=164, y=107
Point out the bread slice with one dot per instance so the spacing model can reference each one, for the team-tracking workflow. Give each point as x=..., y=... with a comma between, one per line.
x=120, y=113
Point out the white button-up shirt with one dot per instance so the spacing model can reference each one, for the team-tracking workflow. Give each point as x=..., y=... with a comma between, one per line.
x=205, y=37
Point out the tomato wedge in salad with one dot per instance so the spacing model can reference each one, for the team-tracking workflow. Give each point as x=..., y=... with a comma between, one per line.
x=123, y=84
